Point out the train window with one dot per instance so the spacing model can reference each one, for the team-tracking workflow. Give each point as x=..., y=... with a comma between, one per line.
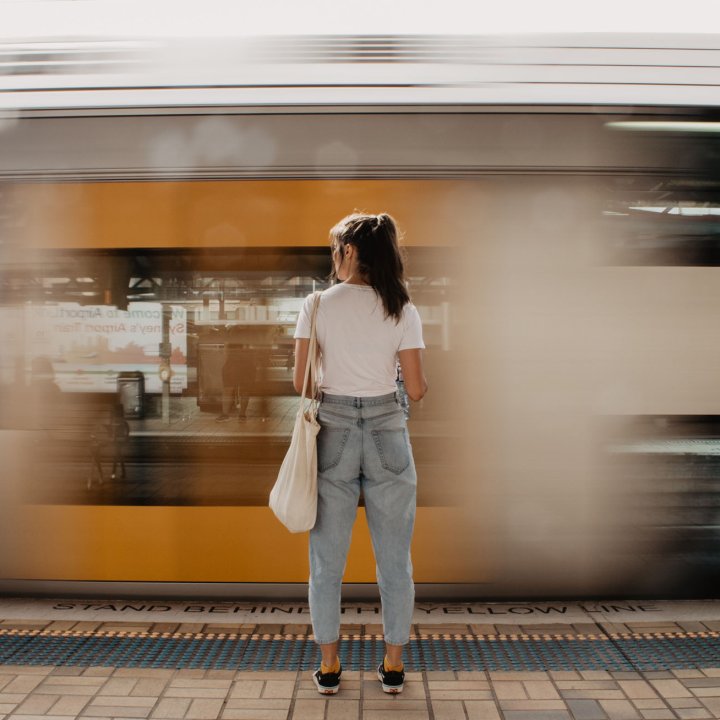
x=165, y=376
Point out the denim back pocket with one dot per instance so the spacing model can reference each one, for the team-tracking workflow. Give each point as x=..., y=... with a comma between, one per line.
x=330, y=446
x=392, y=447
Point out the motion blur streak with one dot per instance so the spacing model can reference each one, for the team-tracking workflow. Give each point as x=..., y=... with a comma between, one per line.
x=163, y=216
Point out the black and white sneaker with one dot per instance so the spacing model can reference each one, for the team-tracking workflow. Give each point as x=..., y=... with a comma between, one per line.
x=391, y=680
x=327, y=683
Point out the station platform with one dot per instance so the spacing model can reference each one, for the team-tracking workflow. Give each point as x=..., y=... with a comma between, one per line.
x=201, y=660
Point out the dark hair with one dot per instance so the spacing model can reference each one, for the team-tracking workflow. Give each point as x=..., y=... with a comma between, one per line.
x=380, y=260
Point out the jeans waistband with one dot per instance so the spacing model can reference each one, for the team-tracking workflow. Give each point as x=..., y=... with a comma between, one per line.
x=358, y=402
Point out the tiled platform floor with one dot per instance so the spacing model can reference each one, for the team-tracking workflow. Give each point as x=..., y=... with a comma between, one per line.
x=59, y=693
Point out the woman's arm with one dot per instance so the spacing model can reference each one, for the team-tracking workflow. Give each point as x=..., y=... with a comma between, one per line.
x=302, y=345
x=413, y=374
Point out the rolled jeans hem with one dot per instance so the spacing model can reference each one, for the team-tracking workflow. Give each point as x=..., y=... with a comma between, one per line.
x=326, y=642
x=392, y=642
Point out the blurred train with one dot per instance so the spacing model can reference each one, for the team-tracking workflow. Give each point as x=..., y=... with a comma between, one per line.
x=164, y=209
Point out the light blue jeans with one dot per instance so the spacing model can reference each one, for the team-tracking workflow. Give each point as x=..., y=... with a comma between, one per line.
x=363, y=445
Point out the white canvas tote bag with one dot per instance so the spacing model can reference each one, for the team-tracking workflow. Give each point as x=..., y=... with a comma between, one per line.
x=294, y=496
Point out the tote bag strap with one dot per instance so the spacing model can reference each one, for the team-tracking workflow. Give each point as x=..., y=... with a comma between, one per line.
x=311, y=361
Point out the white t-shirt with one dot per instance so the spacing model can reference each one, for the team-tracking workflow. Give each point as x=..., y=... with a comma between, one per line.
x=358, y=344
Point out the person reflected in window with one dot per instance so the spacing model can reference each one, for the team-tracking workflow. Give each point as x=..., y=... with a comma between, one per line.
x=238, y=377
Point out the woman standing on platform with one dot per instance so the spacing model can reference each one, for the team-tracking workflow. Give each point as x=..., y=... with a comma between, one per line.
x=365, y=324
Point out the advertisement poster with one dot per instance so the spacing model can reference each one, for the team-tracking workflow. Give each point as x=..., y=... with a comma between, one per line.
x=88, y=345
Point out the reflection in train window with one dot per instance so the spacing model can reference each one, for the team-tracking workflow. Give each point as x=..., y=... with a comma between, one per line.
x=165, y=377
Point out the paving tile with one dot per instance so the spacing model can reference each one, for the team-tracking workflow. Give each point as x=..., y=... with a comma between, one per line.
x=625, y=675
x=712, y=704
x=190, y=673
x=593, y=694
x=203, y=709
x=448, y=709
x=481, y=710
x=144, y=673
x=665, y=714
x=40, y=717
x=586, y=684
x=69, y=705
x=98, y=671
x=684, y=702
x=278, y=689
x=23, y=684
x=67, y=671
x=394, y=702
x=393, y=715
x=149, y=687
x=459, y=694
x=258, y=714
x=540, y=690
x=483, y=629
x=25, y=669
x=116, y=711
x=247, y=689
x=587, y=628
x=373, y=629
x=165, y=627
x=344, y=709
x=517, y=675
x=308, y=710
x=685, y=674
x=637, y=689
x=60, y=688
x=87, y=625
x=171, y=708
x=509, y=690
x=37, y=705
x=190, y=682
x=118, y=686
x=9, y=702
x=564, y=675
x=700, y=682
x=269, y=675
x=190, y=627
x=508, y=628
x=586, y=710
x=472, y=675
x=619, y=709
x=458, y=685
x=509, y=705
x=271, y=703
x=670, y=688
x=196, y=692
x=648, y=703
x=78, y=679
x=595, y=675
x=711, y=672
x=220, y=674
x=124, y=701
x=538, y=715
x=689, y=713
